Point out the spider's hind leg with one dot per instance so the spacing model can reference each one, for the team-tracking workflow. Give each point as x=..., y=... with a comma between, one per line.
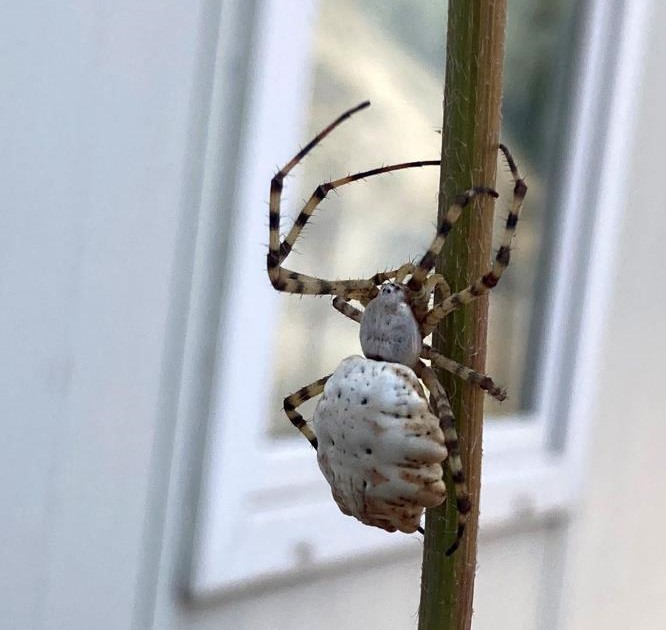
x=296, y=400
x=453, y=461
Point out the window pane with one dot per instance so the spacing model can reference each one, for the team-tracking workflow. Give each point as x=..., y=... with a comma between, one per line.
x=380, y=223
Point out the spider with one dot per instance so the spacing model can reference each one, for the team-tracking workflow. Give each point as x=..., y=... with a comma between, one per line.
x=380, y=442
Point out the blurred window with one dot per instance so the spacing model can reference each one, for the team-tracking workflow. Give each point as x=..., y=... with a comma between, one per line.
x=380, y=223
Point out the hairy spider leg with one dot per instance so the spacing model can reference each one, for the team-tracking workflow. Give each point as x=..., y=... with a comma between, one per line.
x=322, y=190
x=464, y=373
x=347, y=309
x=428, y=260
x=486, y=282
x=290, y=281
x=453, y=461
x=296, y=400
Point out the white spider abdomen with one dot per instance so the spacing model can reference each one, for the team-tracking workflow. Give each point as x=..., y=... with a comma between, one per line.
x=380, y=447
x=389, y=330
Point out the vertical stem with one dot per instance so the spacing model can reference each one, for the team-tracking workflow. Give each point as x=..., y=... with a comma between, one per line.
x=470, y=137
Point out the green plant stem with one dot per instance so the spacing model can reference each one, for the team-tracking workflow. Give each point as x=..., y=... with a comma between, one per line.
x=470, y=138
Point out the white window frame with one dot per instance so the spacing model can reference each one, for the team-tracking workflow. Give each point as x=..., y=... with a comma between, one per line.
x=265, y=510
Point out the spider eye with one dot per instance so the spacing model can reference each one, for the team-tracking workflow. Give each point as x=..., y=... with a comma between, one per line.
x=391, y=287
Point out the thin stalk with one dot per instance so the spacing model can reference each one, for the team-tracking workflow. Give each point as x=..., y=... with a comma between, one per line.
x=470, y=138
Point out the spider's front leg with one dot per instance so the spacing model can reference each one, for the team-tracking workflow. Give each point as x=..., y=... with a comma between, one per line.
x=452, y=215
x=289, y=281
x=296, y=400
x=284, y=279
x=488, y=281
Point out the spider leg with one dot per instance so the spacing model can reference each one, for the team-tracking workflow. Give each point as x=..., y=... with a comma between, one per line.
x=489, y=280
x=323, y=189
x=382, y=276
x=344, y=307
x=466, y=374
x=283, y=279
x=398, y=274
x=342, y=304
x=453, y=461
x=302, y=284
x=298, y=398
x=433, y=282
x=292, y=282
x=435, y=286
x=428, y=260
x=277, y=182
x=402, y=272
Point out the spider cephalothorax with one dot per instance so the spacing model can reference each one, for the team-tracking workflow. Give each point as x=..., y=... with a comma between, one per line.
x=381, y=442
x=389, y=330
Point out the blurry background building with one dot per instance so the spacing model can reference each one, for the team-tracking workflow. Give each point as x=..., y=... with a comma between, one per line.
x=148, y=476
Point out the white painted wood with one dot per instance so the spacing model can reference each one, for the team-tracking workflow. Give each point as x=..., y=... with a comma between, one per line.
x=94, y=135
x=616, y=578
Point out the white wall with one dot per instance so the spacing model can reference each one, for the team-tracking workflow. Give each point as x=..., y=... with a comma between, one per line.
x=617, y=557
x=97, y=134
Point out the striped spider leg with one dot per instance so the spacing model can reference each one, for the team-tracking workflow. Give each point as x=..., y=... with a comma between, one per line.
x=292, y=282
x=485, y=283
x=296, y=399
